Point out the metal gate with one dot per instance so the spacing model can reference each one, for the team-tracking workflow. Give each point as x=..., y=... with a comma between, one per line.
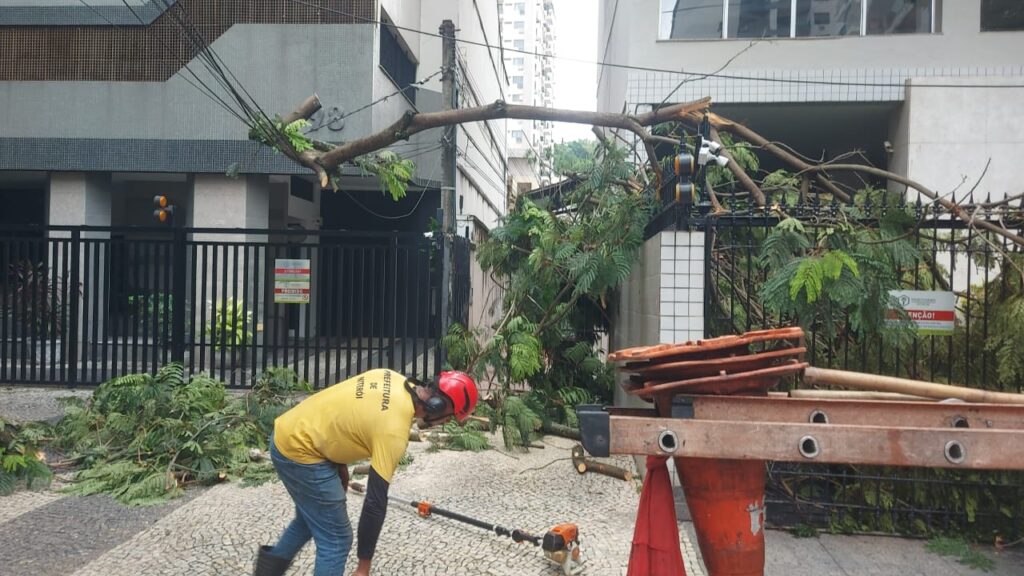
x=84, y=304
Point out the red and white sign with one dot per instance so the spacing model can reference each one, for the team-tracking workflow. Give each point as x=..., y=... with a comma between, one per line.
x=933, y=311
x=291, y=281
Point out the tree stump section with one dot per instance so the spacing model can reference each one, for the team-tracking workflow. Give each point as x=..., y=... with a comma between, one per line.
x=583, y=465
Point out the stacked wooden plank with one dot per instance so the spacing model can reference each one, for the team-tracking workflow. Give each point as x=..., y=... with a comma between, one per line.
x=749, y=363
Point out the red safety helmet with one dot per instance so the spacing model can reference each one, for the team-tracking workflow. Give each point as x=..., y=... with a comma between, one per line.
x=460, y=388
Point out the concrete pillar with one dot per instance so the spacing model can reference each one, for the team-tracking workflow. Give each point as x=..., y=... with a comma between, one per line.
x=78, y=199
x=219, y=201
x=681, y=297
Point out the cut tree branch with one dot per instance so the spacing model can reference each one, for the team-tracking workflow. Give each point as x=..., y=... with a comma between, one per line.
x=726, y=125
x=412, y=123
x=924, y=190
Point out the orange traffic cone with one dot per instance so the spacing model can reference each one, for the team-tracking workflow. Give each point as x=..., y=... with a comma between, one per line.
x=726, y=501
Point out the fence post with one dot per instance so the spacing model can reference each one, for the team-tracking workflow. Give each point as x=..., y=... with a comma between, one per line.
x=178, y=296
x=74, y=320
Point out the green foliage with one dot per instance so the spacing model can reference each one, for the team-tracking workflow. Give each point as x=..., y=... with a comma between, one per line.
x=393, y=171
x=142, y=438
x=229, y=326
x=560, y=270
x=158, y=310
x=468, y=436
x=33, y=282
x=836, y=278
x=294, y=133
x=519, y=422
x=963, y=552
x=20, y=457
x=804, y=531
x=574, y=157
x=275, y=133
x=742, y=154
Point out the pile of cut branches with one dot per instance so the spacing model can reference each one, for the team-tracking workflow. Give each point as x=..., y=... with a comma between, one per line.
x=143, y=438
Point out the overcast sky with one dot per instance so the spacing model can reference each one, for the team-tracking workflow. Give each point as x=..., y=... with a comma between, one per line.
x=575, y=83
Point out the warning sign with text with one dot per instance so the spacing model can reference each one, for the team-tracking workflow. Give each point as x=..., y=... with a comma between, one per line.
x=291, y=281
x=932, y=311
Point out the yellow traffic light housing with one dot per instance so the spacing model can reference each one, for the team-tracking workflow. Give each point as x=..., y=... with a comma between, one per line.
x=164, y=209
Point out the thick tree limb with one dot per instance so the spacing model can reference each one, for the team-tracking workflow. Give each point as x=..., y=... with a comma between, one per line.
x=308, y=107
x=952, y=207
x=726, y=125
x=411, y=123
x=739, y=172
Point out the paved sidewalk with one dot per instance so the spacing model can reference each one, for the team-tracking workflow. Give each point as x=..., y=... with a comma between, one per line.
x=216, y=531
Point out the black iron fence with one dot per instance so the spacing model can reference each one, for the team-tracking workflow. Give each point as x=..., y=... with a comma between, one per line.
x=948, y=256
x=84, y=304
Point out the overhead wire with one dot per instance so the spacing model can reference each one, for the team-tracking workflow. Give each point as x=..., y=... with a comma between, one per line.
x=198, y=84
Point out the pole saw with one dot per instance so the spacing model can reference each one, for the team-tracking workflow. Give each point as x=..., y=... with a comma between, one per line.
x=560, y=544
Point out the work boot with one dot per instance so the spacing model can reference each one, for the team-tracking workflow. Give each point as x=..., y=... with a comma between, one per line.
x=269, y=565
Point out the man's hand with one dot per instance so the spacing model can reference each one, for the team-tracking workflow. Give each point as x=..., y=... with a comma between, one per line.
x=343, y=475
x=363, y=569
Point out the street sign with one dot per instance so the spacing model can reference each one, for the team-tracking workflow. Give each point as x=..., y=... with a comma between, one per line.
x=932, y=311
x=291, y=281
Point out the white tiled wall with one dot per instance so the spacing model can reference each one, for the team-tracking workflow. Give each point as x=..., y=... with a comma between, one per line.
x=682, y=286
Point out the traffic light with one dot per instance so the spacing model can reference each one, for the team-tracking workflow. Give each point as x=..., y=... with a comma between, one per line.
x=685, y=166
x=163, y=209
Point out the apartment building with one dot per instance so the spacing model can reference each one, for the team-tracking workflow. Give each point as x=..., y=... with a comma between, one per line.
x=529, y=26
x=923, y=87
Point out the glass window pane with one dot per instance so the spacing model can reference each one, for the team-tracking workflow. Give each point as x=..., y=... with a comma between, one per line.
x=759, y=18
x=690, y=19
x=899, y=16
x=1002, y=15
x=828, y=17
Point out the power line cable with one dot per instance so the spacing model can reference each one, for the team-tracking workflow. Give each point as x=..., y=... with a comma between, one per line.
x=199, y=85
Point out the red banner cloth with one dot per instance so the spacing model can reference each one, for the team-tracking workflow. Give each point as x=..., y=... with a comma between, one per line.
x=656, y=550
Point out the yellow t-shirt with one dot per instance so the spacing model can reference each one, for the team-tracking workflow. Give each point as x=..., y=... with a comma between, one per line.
x=366, y=416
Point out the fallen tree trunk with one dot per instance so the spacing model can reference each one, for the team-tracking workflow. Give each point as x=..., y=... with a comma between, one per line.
x=583, y=465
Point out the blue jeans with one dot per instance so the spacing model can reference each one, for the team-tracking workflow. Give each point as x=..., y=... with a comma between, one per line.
x=320, y=513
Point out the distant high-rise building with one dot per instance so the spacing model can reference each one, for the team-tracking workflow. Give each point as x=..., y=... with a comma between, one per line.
x=528, y=28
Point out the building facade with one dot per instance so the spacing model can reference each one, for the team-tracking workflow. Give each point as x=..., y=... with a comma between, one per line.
x=930, y=89
x=529, y=26
x=105, y=104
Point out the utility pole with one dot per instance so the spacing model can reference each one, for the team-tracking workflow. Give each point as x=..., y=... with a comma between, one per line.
x=448, y=162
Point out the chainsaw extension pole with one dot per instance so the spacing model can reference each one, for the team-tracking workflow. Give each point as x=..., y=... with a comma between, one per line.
x=515, y=534
x=426, y=509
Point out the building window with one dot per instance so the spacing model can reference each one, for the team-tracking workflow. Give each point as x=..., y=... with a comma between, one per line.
x=517, y=97
x=759, y=18
x=519, y=26
x=899, y=16
x=396, y=62
x=700, y=19
x=517, y=81
x=691, y=19
x=519, y=44
x=1002, y=15
x=518, y=136
x=816, y=18
x=521, y=8
x=517, y=61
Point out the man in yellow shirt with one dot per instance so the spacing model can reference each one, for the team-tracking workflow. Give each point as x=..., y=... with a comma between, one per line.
x=366, y=416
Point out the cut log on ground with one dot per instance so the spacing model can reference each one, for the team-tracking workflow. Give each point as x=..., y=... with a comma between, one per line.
x=583, y=465
x=361, y=470
x=561, y=430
